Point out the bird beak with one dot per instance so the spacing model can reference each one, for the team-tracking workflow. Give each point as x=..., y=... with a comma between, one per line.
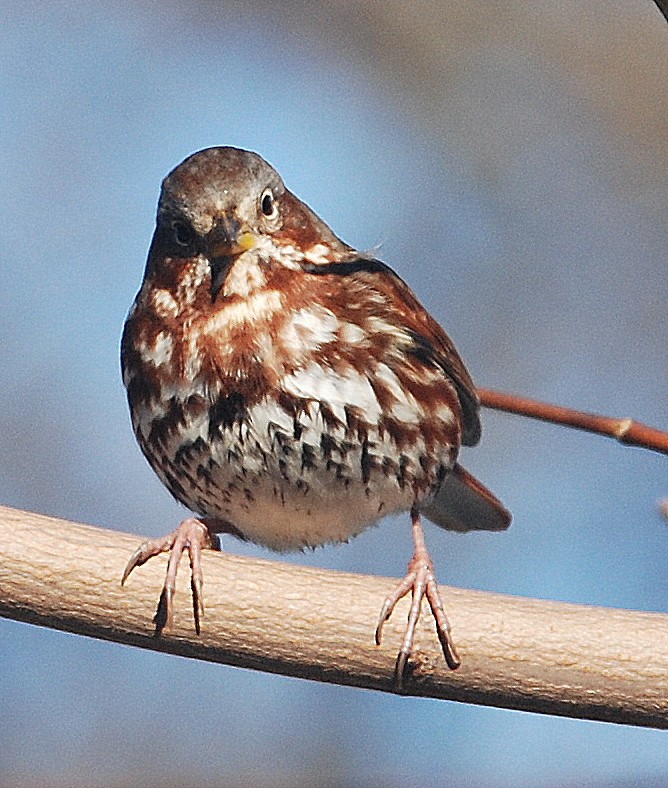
x=225, y=242
x=228, y=239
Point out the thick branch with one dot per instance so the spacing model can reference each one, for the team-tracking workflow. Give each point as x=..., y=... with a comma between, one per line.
x=518, y=653
x=626, y=431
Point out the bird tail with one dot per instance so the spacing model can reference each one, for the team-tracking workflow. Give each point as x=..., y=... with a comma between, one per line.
x=465, y=504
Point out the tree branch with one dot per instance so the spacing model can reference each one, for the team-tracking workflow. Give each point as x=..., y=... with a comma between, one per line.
x=517, y=653
x=626, y=431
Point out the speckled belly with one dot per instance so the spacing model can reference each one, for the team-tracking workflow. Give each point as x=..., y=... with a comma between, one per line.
x=290, y=482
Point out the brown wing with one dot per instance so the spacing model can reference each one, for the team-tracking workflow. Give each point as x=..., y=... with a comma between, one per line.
x=425, y=338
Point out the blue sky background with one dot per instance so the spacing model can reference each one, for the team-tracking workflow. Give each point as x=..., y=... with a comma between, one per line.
x=523, y=197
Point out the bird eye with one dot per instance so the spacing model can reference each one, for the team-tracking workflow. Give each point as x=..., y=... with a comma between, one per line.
x=183, y=233
x=269, y=207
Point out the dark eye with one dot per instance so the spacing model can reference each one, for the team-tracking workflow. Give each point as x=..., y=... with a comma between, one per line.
x=269, y=208
x=183, y=233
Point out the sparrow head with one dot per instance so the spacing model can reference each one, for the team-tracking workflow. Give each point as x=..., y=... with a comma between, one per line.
x=220, y=204
x=220, y=190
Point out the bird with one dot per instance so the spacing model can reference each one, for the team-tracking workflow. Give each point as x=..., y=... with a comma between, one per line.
x=290, y=390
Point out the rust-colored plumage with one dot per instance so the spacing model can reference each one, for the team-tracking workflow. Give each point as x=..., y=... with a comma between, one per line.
x=288, y=389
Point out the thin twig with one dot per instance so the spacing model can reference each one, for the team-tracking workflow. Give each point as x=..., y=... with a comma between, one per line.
x=626, y=431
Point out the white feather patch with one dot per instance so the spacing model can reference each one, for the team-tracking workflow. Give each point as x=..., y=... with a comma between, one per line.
x=164, y=303
x=335, y=390
x=405, y=408
x=313, y=327
x=318, y=254
x=160, y=353
x=444, y=413
x=258, y=306
x=351, y=333
x=245, y=276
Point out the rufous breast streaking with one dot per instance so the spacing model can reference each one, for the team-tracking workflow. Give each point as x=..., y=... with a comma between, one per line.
x=288, y=389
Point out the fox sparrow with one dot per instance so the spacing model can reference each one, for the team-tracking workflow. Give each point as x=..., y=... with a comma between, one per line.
x=289, y=389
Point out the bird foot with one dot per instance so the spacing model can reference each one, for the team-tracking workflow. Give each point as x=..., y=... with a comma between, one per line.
x=191, y=536
x=420, y=580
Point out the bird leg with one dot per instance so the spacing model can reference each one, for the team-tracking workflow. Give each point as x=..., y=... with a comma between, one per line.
x=191, y=536
x=420, y=580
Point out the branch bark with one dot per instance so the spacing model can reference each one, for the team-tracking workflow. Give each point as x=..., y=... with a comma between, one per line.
x=528, y=654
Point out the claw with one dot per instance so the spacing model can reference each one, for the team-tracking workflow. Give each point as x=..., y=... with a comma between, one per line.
x=198, y=604
x=390, y=602
x=146, y=550
x=191, y=536
x=420, y=580
x=131, y=564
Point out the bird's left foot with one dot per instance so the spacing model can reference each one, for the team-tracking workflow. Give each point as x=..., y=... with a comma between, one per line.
x=420, y=580
x=191, y=536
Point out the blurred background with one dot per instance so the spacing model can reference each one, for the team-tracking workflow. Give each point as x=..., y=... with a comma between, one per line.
x=511, y=159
